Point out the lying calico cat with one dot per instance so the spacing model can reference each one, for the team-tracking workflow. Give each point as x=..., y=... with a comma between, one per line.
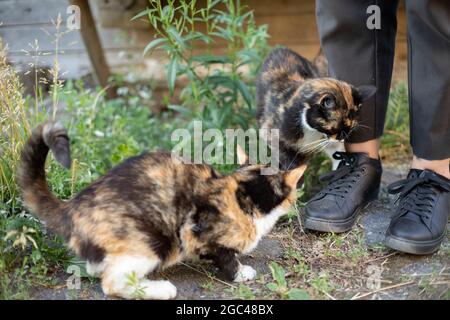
x=153, y=211
x=311, y=111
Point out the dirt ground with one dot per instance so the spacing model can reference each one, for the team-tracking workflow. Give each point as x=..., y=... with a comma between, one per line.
x=354, y=265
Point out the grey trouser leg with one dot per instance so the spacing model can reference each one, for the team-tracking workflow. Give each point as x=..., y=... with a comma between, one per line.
x=359, y=55
x=362, y=56
x=429, y=77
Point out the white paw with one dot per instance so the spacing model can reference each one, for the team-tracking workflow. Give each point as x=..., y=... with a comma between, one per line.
x=95, y=269
x=245, y=273
x=161, y=290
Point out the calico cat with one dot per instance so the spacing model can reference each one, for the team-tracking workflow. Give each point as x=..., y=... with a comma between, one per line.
x=153, y=211
x=310, y=110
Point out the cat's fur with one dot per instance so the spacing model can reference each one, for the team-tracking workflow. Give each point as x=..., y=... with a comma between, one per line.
x=310, y=110
x=153, y=211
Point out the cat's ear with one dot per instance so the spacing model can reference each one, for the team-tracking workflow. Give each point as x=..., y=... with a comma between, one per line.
x=242, y=157
x=364, y=93
x=293, y=176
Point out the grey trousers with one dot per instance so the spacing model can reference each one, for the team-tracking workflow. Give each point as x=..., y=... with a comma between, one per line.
x=359, y=55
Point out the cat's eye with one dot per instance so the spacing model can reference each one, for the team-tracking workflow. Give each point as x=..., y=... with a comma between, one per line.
x=328, y=102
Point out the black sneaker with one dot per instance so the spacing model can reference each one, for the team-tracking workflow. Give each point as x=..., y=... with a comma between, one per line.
x=420, y=223
x=354, y=183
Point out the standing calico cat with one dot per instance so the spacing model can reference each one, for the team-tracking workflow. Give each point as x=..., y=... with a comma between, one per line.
x=153, y=211
x=310, y=111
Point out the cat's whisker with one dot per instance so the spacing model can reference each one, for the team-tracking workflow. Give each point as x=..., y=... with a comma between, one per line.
x=347, y=134
x=319, y=149
x=308, y=150
x=361, y=126
x=355, y=128
x=319, y=146
x=312, y=144
x=295, y=157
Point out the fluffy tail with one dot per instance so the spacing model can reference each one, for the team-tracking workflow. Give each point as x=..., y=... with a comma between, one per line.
x=31, y=174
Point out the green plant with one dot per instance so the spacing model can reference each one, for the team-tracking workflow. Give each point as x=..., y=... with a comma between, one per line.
x=208, y=285
x=242, y=292
x=321, y=283
x=395, y=141
x=134, y=283
x=217, y=89
x=14, y=128
x=280, y=286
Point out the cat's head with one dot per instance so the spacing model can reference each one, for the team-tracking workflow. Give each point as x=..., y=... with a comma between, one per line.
x=331, y=106
x=261, y=194
x=265, y=192
x=262, y=199
x=236, y=210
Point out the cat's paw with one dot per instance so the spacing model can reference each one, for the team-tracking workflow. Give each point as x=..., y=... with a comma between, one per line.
x=245, y=273
x=161, y=290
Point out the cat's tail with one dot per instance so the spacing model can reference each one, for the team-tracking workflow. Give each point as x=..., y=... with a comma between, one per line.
x=31, y=174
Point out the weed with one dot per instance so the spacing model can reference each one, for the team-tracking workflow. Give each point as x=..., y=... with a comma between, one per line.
x=134, y=283
x=208, y=285
x=242, y=292
x=321, y=283
x=219, y=89
x=280, y=286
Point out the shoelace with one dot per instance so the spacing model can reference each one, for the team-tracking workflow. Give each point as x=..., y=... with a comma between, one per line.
x=344, y=177
x=416, y=195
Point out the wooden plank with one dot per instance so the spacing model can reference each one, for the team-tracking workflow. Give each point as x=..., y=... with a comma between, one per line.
x=75, y=64
x=111, y=38
x=20, y=37
x=31, y=12
x=291, y=23
x=130, y=55
x=111, y=14
x=93, y=45
x=301, y=27
x=118, y=14
x=263, y=8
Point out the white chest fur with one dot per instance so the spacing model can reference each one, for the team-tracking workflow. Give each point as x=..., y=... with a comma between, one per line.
x=310, y=135
x=312, y=138
x=265, y=224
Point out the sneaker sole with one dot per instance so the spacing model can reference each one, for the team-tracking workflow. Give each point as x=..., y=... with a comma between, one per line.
x=336, y=226
x=414, y=247
x=331, y=226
